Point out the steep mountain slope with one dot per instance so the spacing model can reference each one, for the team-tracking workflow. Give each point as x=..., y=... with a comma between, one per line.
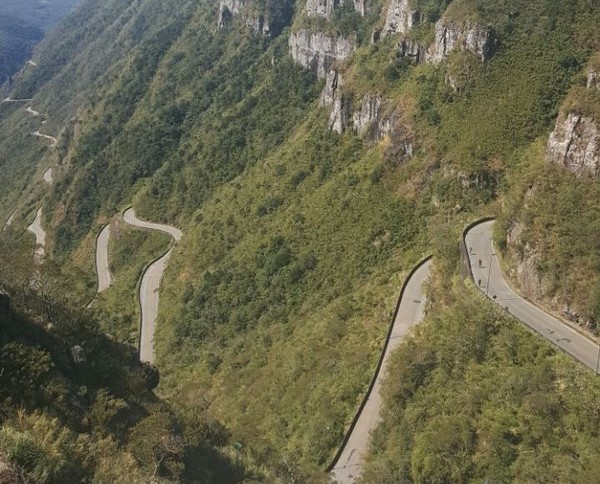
x=310, y=153
x=77, y=406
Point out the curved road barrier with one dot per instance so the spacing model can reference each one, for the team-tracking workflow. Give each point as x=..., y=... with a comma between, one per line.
x=488, y=277
x=150, y=285
x=347, y=466
x=40, y=236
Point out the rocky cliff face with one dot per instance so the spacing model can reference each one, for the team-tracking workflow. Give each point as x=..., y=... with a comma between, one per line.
x=593, y=79
x=369, y=112
x=228, y=9
x=341, y=105
x=575, y=144
x=575, y=141
x=365, y=120
x=324, y=8
x=476, y=38
x=400, y=17
x=318, y=51
x=368, y=119
x=527, y=260
x=413, y=50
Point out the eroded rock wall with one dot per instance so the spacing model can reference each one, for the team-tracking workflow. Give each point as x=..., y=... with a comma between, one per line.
x=318, y=51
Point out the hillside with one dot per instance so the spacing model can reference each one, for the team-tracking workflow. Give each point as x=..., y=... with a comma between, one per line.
x=77, y=406
x=311, y=153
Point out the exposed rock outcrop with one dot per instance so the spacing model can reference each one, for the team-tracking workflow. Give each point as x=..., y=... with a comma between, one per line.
x=332, y=88
x=528, y=260
x=324, y=8
x=368, y=121
x=593, y=79
x=228, y=9
x=575, y=144
x=332, y=95
x=340, y=115
x=318, y=51
x=474, y=37
x=368, y=113
x=413, y=50
x=400, y=17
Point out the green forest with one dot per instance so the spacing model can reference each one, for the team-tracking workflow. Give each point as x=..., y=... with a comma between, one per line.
x=297, y=239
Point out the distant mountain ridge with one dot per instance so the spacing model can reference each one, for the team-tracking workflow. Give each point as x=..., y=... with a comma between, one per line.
x=22, y=25
x=42, y=14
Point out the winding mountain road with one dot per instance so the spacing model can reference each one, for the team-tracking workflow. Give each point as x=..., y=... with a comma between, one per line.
x=9, y=100
x=40, y=236
x=52, y=139
x=348, y=466
x=102, y=268
x=48, y=176
x=490, y=280
x=32, y=111
x=150, y=285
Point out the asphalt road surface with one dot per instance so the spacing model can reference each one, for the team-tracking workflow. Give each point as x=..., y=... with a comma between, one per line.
x=10, y=219
x=48, y=176
x=52, y=139
x=349, y=466
x=40, y=236
x=102, y=269
x=490, y=280
x=150, y=285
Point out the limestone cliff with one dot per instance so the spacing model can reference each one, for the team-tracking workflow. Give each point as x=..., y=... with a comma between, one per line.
x=575, y=144
x=341, y=105
x=228, y=9
x=325, y=8
x=525, y=271
x=575, y=141
x=400, y=17
x=318, y=51
x=593, y=78
x=367, y=119
x=413, y=50
x=474, y=37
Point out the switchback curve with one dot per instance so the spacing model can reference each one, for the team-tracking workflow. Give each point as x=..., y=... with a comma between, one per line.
x=150, y=284
x=348, y=463
x=488, y=277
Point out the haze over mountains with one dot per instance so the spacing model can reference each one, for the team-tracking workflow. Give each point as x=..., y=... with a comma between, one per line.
x=307, y=155
x=23, y=24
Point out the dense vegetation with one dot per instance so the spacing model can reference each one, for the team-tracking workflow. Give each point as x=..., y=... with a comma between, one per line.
x=276, y=301
x=76, y=406
x=476, y=397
